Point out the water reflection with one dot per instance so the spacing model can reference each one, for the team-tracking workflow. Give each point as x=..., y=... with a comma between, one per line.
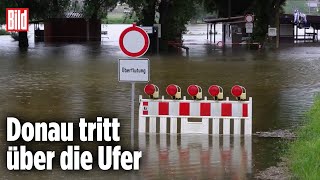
x=196, y=156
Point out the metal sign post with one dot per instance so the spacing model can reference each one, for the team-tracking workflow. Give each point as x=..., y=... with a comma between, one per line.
x=132, y=110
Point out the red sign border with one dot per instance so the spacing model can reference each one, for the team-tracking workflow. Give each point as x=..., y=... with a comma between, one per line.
x=146, y=41
x=21, y=10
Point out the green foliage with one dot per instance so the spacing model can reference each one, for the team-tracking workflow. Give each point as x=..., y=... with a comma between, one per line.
x=97, y=9
x=238, y=7
x=266, y=14
x=119, y=19
x=199, y=13
x=4, y=32
x=173, y=17
x=292, y=5
x=145, y=10
x=304, y=153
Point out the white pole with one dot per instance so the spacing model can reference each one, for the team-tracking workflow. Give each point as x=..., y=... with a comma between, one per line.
x=226, y=126
x=215, y=126
x=163, y=125
x=173, y=125
x=237, y=126
x=248, y=122
x=132, y=111
x=142, y=120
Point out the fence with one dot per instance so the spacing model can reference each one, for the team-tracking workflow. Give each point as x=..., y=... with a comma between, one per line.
x=168, y=111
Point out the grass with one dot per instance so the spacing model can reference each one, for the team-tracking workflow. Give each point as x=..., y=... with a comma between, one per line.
x=118, y=18
x=3, y=32
x=301, y=5
x=304, y=153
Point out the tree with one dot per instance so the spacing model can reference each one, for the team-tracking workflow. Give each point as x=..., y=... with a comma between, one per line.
x=174, y=15
x=267, y=13
x=145, y=10
x=96, y=9
x=237, y=7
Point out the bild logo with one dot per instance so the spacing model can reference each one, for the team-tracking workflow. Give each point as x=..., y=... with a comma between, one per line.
x=17, y=19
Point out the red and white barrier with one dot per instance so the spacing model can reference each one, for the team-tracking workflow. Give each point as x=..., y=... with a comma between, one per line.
x=151, y=110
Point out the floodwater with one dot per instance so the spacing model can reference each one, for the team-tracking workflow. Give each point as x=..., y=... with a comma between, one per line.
x=64, y=82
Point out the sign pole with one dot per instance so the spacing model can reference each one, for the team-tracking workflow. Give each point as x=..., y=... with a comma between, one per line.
x=132, y=112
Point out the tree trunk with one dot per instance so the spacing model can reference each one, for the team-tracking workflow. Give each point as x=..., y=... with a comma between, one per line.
x=23, y=40
x=149, y=13
x=277, y=23
x=163, y=11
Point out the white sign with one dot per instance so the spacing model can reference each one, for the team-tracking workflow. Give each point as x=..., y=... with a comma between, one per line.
x=272, y=32
x=249, y=28
x=159, y=29
x=148, y=29
x=249, y=25
x=134, y=70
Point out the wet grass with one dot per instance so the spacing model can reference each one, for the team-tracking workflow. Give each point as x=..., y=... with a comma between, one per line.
x=3, y=32
x=304, y=152
x=119, y=19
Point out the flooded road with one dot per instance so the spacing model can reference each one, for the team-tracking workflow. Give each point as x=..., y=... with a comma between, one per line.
x=66, y=82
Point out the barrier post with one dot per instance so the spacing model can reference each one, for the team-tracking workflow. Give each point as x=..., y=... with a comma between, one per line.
x=152, y=125
x=142, y=119
x=173, y=125
x=248, y=122
x=215, y=126
x=226, y=124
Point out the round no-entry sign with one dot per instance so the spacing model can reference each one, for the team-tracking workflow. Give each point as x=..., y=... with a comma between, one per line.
x=249, y=18
x=134, y=41
x=220, y=44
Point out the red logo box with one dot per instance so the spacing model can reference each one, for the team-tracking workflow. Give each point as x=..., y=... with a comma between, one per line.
x=17, y=19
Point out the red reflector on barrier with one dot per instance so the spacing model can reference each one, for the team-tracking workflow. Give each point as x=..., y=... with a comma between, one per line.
x=205, y=109
x=184, y=109
x=149, y=89
x=172, y=90
x=163, y=108
x=244, y=110
x=193, y=90
x=236, y=91
x=214, y=90
x=226, y=109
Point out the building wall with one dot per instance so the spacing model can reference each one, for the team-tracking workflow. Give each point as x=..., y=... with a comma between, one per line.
x=71, y=30
x=286, y=33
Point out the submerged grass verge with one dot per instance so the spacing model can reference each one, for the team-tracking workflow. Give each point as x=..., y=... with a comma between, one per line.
x=3, y=32
x=304, y=152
